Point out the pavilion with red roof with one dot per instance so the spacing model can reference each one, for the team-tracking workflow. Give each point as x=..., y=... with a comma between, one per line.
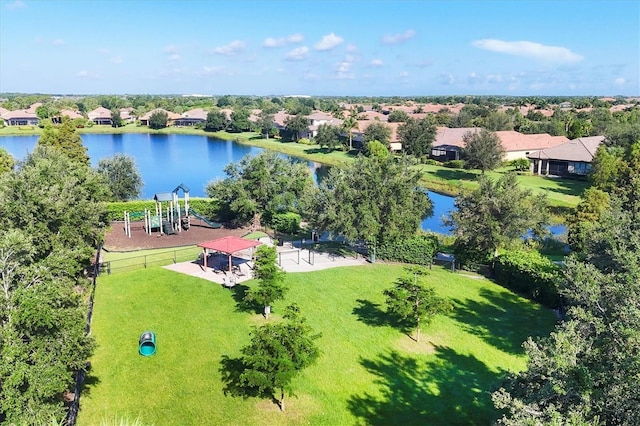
x=227, y=245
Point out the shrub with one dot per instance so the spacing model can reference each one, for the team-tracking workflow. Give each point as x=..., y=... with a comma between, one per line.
x=530, y=274
x=305, y=141
x=454, y=164
x=430, y=162
x=520, y=164
x=288, y=223
x=417, y=250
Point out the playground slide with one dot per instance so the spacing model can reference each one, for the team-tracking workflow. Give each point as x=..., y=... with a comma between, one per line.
x=214, y=225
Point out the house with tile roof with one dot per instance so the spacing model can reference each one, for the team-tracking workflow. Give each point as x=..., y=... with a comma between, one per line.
x=171, y=116
x=22, y=117
x=100, y=116
x=192, y=117
x=449, y=143
x=571, y=158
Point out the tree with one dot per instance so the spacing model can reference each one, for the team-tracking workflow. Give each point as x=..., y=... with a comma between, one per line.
x=66, y=140
x=278, y=353
x=240, y=121
x=46, y=243
x=328, y=136
x=349, y=124
x=493, y=216
x=397, y=116
x=216, y=121
x=116, y=119
x=376, y=149
x=482, y=150
x=296, y=124
x=122, y=177
x=587, y=371
x=497, y=121
x=372, y=199
x=271, y=278
x=6, y=161
x=410, y=300
x=417, y=136
x=593, y=202
x=158, y=120
x=264, y=184
x=265, y=123
x=377, y=131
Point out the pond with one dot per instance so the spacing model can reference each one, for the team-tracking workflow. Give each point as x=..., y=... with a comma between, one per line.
x=165, y=161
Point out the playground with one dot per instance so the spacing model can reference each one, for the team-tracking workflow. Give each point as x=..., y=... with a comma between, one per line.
x=172, y=224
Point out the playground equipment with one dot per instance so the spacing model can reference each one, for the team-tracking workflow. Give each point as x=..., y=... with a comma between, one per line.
x=147, y=343
x=168, y=218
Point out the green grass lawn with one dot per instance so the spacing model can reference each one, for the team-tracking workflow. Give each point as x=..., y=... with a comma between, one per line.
x=368, y=373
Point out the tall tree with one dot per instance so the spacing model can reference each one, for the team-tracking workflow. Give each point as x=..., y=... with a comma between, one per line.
x=587, y=371
x=240, y=120
x=482, y=150
x=417, y=136
x=271, y=279
x=328, y=136
x=6, y=161
x=66, y=140
x=372, y=199
x=494, y=215
x=116, y=119
x=377, y=131
x=47, y=240
x=264, y=184
x=216, y=121
x=349, y=124
x=278, y=353
x=411, y=300
x=296, y=124
x=158, y=120
x=122, y=176
x=265, y=123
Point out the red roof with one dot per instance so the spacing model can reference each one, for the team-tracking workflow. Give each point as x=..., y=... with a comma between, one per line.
x=229, y=245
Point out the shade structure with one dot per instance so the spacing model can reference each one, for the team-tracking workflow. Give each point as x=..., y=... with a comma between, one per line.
x=228, y=245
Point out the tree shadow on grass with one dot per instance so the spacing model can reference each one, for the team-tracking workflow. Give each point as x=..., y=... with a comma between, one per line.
x=446, y=388
x=239, y=293
x=371, y=314
x=89, y=383
x=501, y=319
x=230, y=371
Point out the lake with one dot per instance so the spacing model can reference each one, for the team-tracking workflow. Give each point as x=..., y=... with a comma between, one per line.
x=165, y=161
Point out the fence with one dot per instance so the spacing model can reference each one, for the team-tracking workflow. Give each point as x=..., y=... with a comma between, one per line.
x=74, y=407
x=147, y=260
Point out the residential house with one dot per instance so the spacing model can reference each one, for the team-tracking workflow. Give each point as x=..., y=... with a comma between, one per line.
x=66, y=113
x=192, y=117
x=571, y=158
x=171, y=116
x=449, y=143
x=318, y=118
x=24, y=117
x=100, y=116
x=127, y=115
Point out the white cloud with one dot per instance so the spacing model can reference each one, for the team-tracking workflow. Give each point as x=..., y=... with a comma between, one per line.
x=58, y=42
x=619, y=81
x=82, y=73
x=377, y=63
x=213, y=70
x=328, y=42
x=297, y=54
x=404, y=74
x=529, y=49
x=17, y=4
x=344, y=71
x=283, y=41
x=230, y=49
x=352, y=48
x=116, y=60
x=171, y=49
x=174, y=57
x=398, y=38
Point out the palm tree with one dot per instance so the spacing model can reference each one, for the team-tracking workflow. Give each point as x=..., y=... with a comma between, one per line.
x=348, y=124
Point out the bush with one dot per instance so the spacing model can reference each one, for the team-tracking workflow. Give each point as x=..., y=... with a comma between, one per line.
x=430, y=162
x=520, y=164
x=454, y=164
x=417, y=250
x=288, y=223
x=530, y=274
x=305, y=141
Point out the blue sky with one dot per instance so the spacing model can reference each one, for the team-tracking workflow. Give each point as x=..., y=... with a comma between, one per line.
x=361, y=48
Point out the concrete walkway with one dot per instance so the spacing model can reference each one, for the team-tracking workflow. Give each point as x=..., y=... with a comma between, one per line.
x=290, y=260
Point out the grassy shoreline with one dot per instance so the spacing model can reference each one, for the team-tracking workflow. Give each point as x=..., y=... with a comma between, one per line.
x=563, y=194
